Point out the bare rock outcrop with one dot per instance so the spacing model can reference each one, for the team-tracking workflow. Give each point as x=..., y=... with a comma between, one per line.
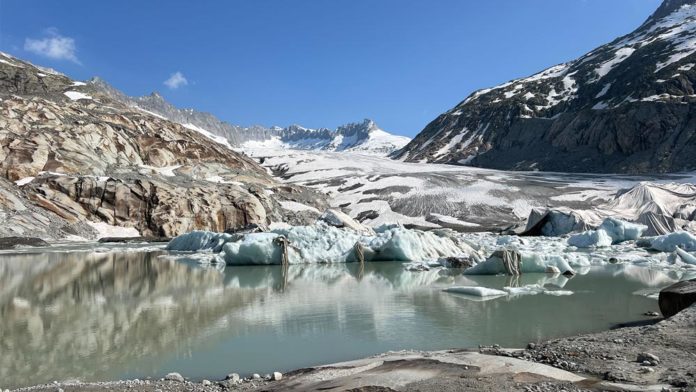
x=70, y=156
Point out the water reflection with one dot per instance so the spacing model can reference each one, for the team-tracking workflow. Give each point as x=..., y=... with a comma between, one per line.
x=84, y=315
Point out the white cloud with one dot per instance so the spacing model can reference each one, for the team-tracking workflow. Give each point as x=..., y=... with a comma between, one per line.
x=54, y=46
x=176, y=80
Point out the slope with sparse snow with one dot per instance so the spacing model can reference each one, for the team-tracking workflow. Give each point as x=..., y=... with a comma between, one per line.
x=624, y=107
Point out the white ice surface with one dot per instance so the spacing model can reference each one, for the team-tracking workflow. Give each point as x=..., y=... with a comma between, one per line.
x=322, y=243
x=476, y=291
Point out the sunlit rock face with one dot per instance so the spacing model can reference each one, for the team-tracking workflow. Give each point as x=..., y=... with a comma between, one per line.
x=625, y=107
x=79, y=156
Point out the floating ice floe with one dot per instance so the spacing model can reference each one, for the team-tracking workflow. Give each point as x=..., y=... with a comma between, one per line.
x=686, y=257
x=532, y=262
x=590, y=238
x=489, y=293
x=670, y=242
x=476, y=291
x=611, y=231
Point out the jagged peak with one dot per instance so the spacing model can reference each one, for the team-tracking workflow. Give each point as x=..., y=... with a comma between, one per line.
x=366, y=125
x=667, y=8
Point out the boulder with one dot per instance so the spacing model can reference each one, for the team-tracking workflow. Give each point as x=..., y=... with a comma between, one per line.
x=174, y=377
x=677, y=297
x=14, y=242
x=457, y=262
x=336, y=218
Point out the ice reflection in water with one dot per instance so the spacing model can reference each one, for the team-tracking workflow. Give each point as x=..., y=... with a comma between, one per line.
x=88, y=316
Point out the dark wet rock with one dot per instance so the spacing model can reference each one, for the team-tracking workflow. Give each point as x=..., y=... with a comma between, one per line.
x=457, y=262
x=651, y=359
x=15, y=242
x=677, y=297
x=365, y=215
x=250, y=228
x=233, y=377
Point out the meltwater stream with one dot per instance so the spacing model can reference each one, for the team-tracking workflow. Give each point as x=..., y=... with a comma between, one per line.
x=113, y=313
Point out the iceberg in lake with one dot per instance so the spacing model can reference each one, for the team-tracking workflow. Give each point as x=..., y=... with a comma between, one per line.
x=475, y=291
x=611, y=231
x=590, y=238
x=322, y=243
x=670, y=242
x=532, y=262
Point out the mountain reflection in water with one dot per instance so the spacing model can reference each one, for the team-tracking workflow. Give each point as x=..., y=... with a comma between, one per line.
x=92, y=316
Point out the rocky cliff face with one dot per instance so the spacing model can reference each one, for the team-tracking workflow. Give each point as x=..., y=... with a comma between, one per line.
x=77, y=156
x=155, y=103
x=625, y=107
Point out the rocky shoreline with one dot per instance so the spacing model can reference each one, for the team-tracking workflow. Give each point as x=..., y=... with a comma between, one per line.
x=657, y=357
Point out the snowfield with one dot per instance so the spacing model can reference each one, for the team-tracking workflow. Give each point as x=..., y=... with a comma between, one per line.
x=377, y=190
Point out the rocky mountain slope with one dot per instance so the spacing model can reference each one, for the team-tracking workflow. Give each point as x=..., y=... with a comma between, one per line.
x=627, y=107
x=72, y=158
x=363, y=136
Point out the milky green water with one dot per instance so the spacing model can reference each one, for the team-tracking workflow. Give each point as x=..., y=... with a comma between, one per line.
x=135, y=314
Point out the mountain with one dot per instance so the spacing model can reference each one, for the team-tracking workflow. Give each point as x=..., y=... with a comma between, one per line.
x=365, y=136
x=75, y=161
x=625, y=107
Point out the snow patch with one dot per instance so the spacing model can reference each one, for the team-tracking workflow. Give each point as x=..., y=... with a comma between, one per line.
x=107, y=230
x=76, y=95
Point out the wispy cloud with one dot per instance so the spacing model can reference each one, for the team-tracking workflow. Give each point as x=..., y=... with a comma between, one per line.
x=53, y=45
x=176, y=80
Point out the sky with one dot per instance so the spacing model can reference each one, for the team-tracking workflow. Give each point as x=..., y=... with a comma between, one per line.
x=319, y=63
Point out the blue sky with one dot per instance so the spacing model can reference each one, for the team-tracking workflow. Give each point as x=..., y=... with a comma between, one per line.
x=319, y=63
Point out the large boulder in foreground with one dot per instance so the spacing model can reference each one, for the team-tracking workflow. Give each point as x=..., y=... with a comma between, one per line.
x=677, y=297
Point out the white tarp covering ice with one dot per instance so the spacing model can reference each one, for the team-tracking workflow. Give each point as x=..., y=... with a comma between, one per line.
x=660, y=207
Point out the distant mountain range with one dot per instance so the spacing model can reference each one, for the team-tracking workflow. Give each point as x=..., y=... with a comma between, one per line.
x=625, y=107
x=363, y=136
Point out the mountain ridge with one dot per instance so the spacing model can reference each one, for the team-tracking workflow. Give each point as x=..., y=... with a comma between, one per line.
x=291, y=136
x=623, y=107
x=76, y=163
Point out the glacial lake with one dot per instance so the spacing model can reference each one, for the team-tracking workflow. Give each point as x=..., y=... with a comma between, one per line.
x=93, y=312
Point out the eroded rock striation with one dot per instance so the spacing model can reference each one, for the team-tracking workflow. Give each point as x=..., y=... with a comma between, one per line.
x=71, y=157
